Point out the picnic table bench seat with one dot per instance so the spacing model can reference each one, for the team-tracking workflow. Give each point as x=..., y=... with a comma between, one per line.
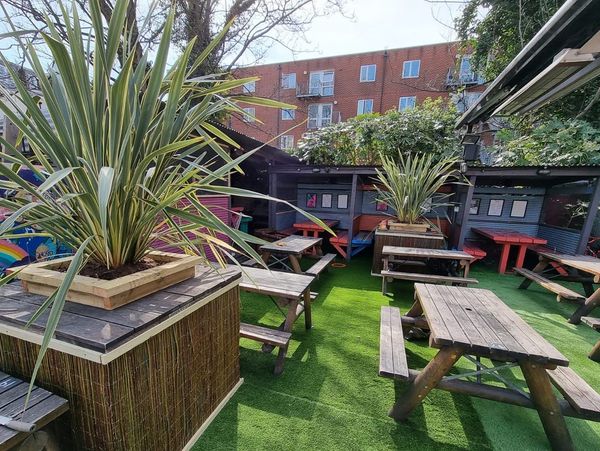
x=392, y=353
x=268, y=336
x=594, y=323
x=363, y=227
x=560, y=291
x=321, y=265
x=583, y=398
x=43, y=407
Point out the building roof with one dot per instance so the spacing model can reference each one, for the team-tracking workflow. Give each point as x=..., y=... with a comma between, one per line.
x=574, y=24
x=531, y=175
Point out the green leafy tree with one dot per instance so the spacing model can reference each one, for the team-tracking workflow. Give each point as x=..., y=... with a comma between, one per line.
x=553, y=142
x=496, y=31
x=427, y=128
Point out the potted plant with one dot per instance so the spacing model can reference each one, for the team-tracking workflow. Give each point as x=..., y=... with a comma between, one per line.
x=413, y=185
x=125, y=148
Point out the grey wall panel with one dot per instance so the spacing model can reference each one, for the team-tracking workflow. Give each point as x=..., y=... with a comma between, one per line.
x=561, y=240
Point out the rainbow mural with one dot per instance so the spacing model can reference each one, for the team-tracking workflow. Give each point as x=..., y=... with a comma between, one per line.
x=11, y=254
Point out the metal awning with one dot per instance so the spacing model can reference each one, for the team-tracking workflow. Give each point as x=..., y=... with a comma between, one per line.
x=561, y=57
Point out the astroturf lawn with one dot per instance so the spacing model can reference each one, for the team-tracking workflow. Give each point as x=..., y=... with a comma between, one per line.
x=330, y=397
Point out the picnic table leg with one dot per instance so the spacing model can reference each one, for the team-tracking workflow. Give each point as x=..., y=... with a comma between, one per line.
x=307, y=310
x=504, y=258
x=466, y=267
x=547, y=406
x=590, y=304
x=595, y=352
x=521, y=255
x=588, y=288
x=539, y=268
x=295, y=264
x=288, y=324
x=265, y=257
x=426, y=381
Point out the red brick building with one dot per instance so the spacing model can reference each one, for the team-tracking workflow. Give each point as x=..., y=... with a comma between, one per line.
x=333, y=89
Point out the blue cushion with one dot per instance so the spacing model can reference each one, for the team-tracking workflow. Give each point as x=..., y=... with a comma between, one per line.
x=363, y=238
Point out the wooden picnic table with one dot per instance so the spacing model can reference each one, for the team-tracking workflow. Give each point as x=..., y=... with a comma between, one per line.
x=292, y=248
x=582, y=263
x=288, y=291
x=508, y=238
x=394, y=253
x=307, y=227
x=475, y=323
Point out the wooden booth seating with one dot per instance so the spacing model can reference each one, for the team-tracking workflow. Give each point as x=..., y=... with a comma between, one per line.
x=268, y=336
x=364, y=227
x=43, y=408
x=471, y=248
x=392, y=354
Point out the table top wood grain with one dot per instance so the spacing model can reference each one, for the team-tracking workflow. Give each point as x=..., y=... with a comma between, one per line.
x=308, y=225
x=398, y=251
x=103, y=330
x=275, y=283
x=508, y=236
x=293, y=244
x=585, y=263
x=479, y=322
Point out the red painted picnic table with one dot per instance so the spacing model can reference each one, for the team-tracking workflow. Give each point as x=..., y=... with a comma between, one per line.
x=508, y=238
x=310, y=227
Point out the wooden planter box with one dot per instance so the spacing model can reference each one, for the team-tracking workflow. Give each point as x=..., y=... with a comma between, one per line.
x=42, y=278
x=148, y=376
x=403, y=227
x=428, y=240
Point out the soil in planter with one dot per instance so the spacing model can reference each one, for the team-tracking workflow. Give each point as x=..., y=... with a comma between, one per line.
x=99, y=271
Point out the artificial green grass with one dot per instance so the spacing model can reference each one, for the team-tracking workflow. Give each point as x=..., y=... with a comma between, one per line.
x=331, y=398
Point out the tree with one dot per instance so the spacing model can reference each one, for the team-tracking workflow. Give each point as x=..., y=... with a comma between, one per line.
x=553, y=141
x=144, y=24
x=427, y=128
x=257, y=26
x=497, y=30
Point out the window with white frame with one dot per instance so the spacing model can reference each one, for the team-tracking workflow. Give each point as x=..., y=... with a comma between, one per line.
x=321, y=83
x=249, y=114
x=407, y=103
x=319, y=115
x=286, y=142
x=364, y=106
x=288, y=114
x=368, y=72
x=288, y=81
x=249, y=87
x=410, y=69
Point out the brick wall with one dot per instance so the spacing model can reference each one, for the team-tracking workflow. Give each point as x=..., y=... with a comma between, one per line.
x=385, y=91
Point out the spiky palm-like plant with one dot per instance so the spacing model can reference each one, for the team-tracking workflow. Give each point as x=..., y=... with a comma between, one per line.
x=125, y=144
x=410, y=185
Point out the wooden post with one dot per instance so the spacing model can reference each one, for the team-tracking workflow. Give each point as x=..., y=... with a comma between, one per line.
x=272, y=204
x=589, y=219
x=466, y=207
x=351, y=218
x=547, y=406
x=307, y=310
x=425, y=382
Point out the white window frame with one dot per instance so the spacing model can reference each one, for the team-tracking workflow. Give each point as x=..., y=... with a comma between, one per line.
x=364, y=70
x=286, y=142
x=318, y=87
x=288, y=114
x=360, y=106
x=406, y=107
x=408, y=65
x=249, y=114
x=287, y=84
x=319, y=121
x=249, y=87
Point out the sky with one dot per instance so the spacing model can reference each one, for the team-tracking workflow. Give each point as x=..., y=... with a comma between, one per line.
x=377, y=24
